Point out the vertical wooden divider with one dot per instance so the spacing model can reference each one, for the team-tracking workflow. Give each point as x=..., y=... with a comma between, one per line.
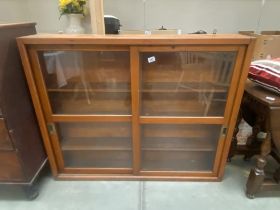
x=135, y=102
x=97, y=16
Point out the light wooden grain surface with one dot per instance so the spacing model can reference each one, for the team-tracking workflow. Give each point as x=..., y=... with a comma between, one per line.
x=217, y=39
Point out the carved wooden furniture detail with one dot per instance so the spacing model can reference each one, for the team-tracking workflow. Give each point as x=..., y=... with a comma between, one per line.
x=260, y=108
x=266, y=108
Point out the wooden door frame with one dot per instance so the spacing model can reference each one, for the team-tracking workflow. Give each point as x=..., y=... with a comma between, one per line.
x=223, y=121
x=51, y=119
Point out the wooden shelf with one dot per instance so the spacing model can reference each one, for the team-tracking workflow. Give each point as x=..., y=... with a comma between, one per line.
x=83, y=103
x=183, y=87
x=61, y=90
x=98, y=87
x=179, y=90
x=158, y=87
x=175, y=107
x=179, y=150
x=178, y=144
x=97, y=159
x=177, y=161
x=99, y=144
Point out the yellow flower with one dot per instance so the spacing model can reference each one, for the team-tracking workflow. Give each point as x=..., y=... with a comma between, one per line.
x=64, y=3
x=72, y=6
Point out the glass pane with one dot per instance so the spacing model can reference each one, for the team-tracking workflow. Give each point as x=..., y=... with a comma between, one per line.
x=185, y=83
x=99, y=145
x=179, y=147
x=87, y=82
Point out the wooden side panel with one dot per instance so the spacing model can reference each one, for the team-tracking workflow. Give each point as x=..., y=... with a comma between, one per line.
x=10, y=168
x=5, y=142
x=15, y=102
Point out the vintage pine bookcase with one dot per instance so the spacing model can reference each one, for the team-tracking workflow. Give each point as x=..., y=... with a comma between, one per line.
x=151, y=107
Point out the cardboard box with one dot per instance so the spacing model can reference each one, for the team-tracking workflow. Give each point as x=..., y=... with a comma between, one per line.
x=267, y=44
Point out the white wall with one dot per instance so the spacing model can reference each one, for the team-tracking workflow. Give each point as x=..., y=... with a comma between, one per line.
x=227, y=16
x=45, y=13
x=13, y=11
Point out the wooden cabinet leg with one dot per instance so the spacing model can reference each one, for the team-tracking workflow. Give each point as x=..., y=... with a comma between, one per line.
x=256, y=178
x=31, y=191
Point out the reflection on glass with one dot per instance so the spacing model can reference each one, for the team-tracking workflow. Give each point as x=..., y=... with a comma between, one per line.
x=87, y=82
x=99, y=145
x=185, y=83
x=179, y=147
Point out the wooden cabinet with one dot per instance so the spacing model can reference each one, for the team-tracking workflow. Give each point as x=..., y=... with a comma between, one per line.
x=136, y=107
x=22, y=155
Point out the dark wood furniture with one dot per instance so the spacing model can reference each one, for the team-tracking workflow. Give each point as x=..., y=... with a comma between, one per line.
x=253, y=115
x=261, y=109
x=21, y=151
x=136, y=107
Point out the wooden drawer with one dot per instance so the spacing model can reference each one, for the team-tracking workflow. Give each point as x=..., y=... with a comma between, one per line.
x=5, y=142
x=10, y=168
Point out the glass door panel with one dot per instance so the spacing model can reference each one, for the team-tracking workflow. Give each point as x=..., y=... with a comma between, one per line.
x=185, y=83
x=179, y=147
x=96, y=145
x=84, y=82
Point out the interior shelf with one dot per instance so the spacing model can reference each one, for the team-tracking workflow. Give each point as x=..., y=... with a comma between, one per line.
x=176, y=107
x=97, y=159
x=178, y=144
x=89, y=90
x=90, y=103
x=102, y=144
x=177, y=161
x=88, y=86
x=149, y=87
x=183, y=87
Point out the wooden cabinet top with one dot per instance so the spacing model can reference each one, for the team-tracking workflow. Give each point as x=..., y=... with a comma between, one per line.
x=190, y=39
